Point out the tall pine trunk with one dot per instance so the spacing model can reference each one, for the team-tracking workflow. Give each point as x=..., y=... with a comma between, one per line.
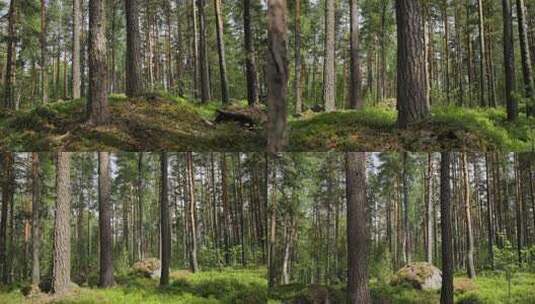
x=203, y=56
x=298, y=60
x=105, y=209
x=36, y=206
x=277, y=75
x=250, y=62
x=9, y=80
x=509, y=60
x=165, y=228
x=134, y=78
x=527, y=69
x=468, y=217
x=61, y=273
x=355, y=101
x=412, y=102
x=221, y=52
x=97, y=104
x=329, y=67
x=357, y=228
x=194, y=265
x=77, y=32
x=446, y=295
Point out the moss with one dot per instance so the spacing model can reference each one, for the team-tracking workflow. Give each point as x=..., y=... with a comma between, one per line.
x=211, y=287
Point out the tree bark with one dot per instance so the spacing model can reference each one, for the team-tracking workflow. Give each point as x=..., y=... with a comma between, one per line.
x=357, y=228
x=104, y=204
x=429, y=211
x=483, y=101
x=134, y=77
x=77, y=31
x=221, y=52
x=9, y=80
x=194, y=266
x=329, y=68
x=7, y=197
x=97, y=105
x=61, y=274
x=412, y=103
x=36, y=206
x=509, y=60
x=250, y=62
x=356, y=101
x=298, y=63
x=277, y=75
x=42, y=42
x=527, y=69
x=205, y=74
x=446, y=295
x=165, y=228
x=468, y=217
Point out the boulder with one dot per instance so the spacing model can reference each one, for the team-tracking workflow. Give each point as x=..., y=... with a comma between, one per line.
x=149, y=268
x=419, y=275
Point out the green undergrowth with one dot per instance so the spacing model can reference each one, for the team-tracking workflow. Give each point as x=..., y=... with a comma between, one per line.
x=154, y=122
x=488, y=288
x=229, y=286
x=449, y=128
x=158, y=122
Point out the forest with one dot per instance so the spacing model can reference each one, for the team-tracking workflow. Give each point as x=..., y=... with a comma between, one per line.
x=133, y=228
x=402, y=228
x=276, y=75
x=305, y=227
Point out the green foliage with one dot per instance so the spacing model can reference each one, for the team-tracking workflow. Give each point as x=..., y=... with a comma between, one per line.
x=229, y=286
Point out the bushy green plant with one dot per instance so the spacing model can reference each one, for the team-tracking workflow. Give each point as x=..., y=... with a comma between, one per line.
x=506, y=262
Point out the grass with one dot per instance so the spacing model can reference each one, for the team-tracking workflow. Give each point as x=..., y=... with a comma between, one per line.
x=449, y=128
x=165, y=122
x=232, y=286
x=153, y=123
x=488, y=288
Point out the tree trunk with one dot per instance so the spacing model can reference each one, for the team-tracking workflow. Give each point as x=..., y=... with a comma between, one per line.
x=105, y=209
x=134, y=77
x=250, y=62
x=298, y=63
x=36, y=206
x=509, y=60
x=194, y=266
x=277, y=75
x=483, y=101
x=412, y=89
x=355, y=101
x=221, y=52
x=446, y=295
x=97, y=105
x=490, y=224
x=42, y=42
x=165, y=228
x=77, y=31
x=527, y=69
x=61, y=275
x=205, y=75
x=329, y=68
x=357, y=228
x=9, y=80
x=140, y=240
x=406, y=227
x=467, y=212
x=429, y=211
x=7, y=197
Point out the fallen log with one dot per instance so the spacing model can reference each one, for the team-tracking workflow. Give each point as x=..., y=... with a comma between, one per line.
x=239, y=117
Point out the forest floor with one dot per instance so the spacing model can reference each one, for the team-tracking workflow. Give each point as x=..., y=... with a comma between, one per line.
x=229, y=286
x=163, y=122
x=488, y=288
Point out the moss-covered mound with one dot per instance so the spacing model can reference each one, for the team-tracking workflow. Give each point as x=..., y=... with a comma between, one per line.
x=151, y=123
x=374, y=129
